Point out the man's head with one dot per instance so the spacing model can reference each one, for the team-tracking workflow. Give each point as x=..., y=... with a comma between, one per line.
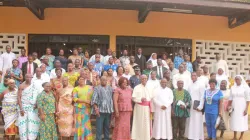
x=34, y=55
x=65, y=81
x=137, y=70
x=103, y=80
x=77, y=63
x=171, y=65
x=180, y=84
x=113, y=54
x=43, y=67
x=11, y=84
x=223, y=85
x=205, y=69
x=218, y=56
x=97, y=58
x=90, y=66
x=167, y=74
x=30, y=59
x=126, y=70
x=23, y=52
x=61, y=52
x=46, y=60
x=187, y=58
x=109, y=52
x=213, y=76
x=57, y=64
x=111, y=60
x=163, y=83
x=58, y=72
x=48, y=51
x=125, y=53
x=159, y=62
x=194, y=76
x=184, y=65
x=139, y=51
x=38, y=72
x=83, y=74
x=153, y=75
x=79, y=50
x=180, y=52
x=28, y=78
x=75, y=51
x=198, y=59
x=132, y=59
x=181, y=68
x=8, y=49
x=149, y=65
x=98, y=51
x=144, y=79
x=199, y=72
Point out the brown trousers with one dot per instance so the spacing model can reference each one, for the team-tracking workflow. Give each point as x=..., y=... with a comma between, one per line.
x=179, y=124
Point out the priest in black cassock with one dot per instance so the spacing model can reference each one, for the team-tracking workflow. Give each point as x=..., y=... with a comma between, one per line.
x=140, y=59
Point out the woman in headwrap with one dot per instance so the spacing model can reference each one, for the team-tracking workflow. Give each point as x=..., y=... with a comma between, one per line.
x=153, y=59
x=221, y=76
x=238, y=103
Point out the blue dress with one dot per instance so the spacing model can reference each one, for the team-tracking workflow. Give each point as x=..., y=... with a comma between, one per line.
x=17, y=71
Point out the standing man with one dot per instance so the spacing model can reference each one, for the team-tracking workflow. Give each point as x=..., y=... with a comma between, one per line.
x=36, y=60
x=29, y=67
x=38, y=80
x=188, y=63
x=98, y=52
x=180, y=110
x=135, y=79
x=206, y=71
x=172, y=69
x=58, y=65
x=178, y=59
x=111, y=65
x=106, y=58
x=201, y=78
x=194, y=125
x=124, y=59
x=23, y=58
x=6, y=60
x=98, y=65
x=28, y=120
x=44, y=75
x=92, y=74
x=102, y=102
x=149, y=69
x=140, y=59
x=197, y=63
x=80, y=52
x=159, y=69
x=162, y=127
x=131, y=65
x=181, y=75
x=141, y=117
x=221, y=64
x=77, y=65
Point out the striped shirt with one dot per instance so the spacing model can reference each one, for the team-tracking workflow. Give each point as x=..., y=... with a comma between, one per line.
x=103, y=98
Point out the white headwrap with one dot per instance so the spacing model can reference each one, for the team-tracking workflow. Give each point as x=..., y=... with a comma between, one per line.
x=154, y=61
x=243, y=82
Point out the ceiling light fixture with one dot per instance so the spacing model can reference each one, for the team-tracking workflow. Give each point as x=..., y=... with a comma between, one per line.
x=177, y=10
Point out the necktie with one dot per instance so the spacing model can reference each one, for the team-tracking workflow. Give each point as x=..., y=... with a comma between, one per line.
x=29, y=69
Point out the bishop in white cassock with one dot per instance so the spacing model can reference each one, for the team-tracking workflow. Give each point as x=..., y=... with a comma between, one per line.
x=6, y=60
x=141, y=129
x=162, y=128
x=181, y=75
x=194, y=124
x=151, y=85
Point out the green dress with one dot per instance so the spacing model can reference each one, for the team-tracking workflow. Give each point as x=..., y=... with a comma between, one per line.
x=47, y=130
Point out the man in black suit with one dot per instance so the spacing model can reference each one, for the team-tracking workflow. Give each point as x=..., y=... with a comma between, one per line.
x=159, y=69
x=140, y=59
x=29, y=67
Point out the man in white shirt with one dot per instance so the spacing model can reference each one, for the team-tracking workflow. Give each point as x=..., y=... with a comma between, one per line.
x=38, y=80
x=57, y=66
x=124, y=59
x=6, y=60
x=106, y=58
x=44, y=74
x=203, y=79
x=98, y=51
x=181, y=75
x=173, y=70
x=221, y=64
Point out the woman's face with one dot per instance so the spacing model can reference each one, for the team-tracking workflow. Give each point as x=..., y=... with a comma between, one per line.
x=47, y=87
x=120, y=70
x=61, y=52
x=164, y=56
x=15, y=63
x=81, y=81
x=110, y=72
x=75, y=52
x=212, y=86
x=154, y=56
x=70, y=67
x=238, y=80
x=86, y=54
x=124, y=84
x=105, y=73
x=11, y=84
x=48, y=51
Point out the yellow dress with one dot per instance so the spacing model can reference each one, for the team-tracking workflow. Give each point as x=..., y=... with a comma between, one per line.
x=72, y=77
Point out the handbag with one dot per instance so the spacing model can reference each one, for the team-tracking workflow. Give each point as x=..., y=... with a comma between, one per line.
x=221, y=124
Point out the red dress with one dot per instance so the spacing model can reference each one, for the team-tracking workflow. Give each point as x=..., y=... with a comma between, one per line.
x=122, y=123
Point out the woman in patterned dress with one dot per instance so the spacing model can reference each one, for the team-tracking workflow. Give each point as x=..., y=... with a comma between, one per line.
x=15, y=73
x=110, y=77
x=56, y=83
x=82, y=96
x=71, y=74
x=123, y=109
x=46, y=104
x=51, y=57
x=65, y=109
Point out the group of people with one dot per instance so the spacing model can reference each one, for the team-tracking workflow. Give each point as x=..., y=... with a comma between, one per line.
x=55, y=97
